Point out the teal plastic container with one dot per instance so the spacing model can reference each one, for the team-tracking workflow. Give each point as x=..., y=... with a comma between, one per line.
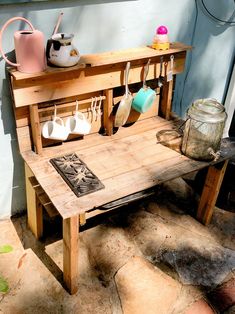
x=144, y=99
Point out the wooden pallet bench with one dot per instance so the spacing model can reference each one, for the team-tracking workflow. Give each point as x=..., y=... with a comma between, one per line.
x=128, y=161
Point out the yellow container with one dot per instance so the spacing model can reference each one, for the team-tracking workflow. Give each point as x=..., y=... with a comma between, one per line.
x=161, y=46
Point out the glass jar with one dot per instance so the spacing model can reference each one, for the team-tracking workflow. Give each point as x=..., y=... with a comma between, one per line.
x=203, y=129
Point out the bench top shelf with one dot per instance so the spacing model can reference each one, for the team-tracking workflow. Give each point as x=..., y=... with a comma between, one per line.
x=95, y=72
x=103, y=59
x=126, y=162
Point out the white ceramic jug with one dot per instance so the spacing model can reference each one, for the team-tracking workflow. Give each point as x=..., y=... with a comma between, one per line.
x=60, y=50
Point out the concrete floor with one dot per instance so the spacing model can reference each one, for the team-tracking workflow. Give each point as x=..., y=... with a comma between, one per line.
x=149, y=257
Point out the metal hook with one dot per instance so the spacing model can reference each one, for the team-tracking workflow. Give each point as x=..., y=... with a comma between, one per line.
x=93, y=105
x=55, y=111
x=160, y=79
x=172, y=62
x=98, y=110
x=76, y=110
x=90, y=109
x=94, y=109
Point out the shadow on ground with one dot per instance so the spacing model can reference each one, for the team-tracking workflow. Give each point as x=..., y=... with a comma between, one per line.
x=125, y=259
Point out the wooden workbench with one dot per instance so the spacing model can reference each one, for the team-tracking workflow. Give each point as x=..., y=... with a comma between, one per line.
x=127, y=162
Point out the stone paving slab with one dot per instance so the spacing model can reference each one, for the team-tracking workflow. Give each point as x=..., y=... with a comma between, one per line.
x=35, y=290
x=231, y=310
x=222, y=227
x=145, y=289
x=109, y=249
x=201, y=264
x=200, y=307
x=223, y=297
x=152, y=246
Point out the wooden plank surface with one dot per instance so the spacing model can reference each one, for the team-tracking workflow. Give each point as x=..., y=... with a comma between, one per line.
x=108, y=107
x=210, y=191
x=165, y=105
x=126, y=162
x=34, y=207
x=43, y=198
x=105, y=58
x=70, y=84
x=36, y=129
x=125, y=165
x=24, y=139
x=70, y=253
x=132, y=54
x=92, y=140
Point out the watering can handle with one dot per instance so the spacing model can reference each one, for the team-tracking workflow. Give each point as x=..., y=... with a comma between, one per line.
x=1, y=33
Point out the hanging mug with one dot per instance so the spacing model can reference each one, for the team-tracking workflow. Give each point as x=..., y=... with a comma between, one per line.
x=78, y=123
x=55, y=129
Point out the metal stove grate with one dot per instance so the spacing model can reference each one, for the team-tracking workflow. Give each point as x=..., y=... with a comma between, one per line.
x=76, y=174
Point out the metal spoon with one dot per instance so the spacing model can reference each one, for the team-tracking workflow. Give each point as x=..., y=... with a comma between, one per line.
x=161, y=78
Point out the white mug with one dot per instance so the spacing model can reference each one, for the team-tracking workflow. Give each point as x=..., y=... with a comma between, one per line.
x=78, y=124
x=55, y=129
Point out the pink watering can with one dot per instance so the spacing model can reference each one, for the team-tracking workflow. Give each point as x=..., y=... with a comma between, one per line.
x=29, y=48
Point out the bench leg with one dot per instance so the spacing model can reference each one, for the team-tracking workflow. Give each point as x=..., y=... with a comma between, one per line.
x=70, y=253
x=210, y=192
x=34, y=207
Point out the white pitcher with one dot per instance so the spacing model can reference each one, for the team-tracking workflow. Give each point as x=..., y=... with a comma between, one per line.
x=60, y=50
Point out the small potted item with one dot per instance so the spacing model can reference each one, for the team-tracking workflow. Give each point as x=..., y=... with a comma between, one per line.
x=161, y=40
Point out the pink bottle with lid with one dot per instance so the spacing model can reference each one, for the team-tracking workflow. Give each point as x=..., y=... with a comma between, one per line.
x=29, y=48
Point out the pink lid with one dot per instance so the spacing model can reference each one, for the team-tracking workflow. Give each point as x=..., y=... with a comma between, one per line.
x=162, y=30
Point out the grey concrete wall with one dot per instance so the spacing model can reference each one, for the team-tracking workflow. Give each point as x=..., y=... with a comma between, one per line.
x=111, y=25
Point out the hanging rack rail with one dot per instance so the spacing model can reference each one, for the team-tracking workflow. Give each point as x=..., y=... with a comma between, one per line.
x=70, y=104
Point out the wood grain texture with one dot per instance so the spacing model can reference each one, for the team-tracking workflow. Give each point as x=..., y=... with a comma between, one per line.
x=210, y=192
x=70, y=253
x=92, y=140
x=34, y=207
x=126, y=162
x=34, y=94
x=82, y=219
x=165, y=104
x=105, y=58
x=43, y=198
x=51, y=86
x=108, y=107
x=24, y=139
x=36, y=129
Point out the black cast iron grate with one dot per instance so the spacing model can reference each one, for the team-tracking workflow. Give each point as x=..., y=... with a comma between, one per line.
x=76, y=174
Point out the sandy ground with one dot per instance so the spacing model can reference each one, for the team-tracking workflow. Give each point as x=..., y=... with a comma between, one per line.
x=148, y=257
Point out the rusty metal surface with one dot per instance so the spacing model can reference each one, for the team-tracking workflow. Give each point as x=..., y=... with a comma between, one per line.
x=76, y=174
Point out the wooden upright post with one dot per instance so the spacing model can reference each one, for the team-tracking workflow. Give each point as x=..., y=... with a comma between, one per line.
x=70, y=253
x=107, y=109
x=210, y=191
x=165, y=102
x=35, y=127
